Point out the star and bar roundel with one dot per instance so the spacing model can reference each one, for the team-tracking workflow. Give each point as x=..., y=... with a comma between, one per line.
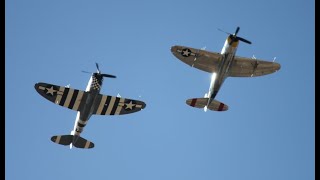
x=186, y=52
x=63, y=96
x=111, y=105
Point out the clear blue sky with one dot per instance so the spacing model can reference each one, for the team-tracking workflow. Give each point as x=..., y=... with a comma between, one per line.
x=267, y=133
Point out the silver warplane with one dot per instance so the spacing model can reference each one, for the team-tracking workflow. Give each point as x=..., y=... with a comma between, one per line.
x=87, y=103
x=222, y=65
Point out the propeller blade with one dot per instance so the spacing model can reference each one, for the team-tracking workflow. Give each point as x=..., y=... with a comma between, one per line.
x=238, y=28
x=224, y=31
x=243, y=40
x=86, y=72
x=97, y=65
x=108, y=75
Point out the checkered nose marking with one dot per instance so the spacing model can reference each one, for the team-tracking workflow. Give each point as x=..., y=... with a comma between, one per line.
x=95, y=84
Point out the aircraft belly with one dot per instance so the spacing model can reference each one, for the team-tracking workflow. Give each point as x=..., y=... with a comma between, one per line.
x=86, y=111
x=89, y=106
x=223, y=71
x=216, y=87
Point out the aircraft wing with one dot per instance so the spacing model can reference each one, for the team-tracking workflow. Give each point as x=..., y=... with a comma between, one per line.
x=71, y=98
x=248, y=67
x=111, y=105
x=200, y=59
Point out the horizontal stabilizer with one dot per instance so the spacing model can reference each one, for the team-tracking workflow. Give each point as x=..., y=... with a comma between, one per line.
x=62, y=139
x=83, y=143
x=202, y=102
x=76, y=141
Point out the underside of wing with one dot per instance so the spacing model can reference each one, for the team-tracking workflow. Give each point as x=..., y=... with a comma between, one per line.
x=200, y=59
x=247, y=67
x=111, y=105
x=63, y=96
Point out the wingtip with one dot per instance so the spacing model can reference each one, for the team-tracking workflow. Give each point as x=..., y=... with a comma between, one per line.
x=172, y=48
x=143, y=105
x=276, y=66
x=36, y=86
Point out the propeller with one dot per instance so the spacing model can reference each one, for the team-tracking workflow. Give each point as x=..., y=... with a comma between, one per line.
x=99, y=72
x=234, y=36
x=104, y=75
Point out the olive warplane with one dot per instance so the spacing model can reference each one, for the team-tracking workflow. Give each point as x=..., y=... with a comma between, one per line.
x=222, y=65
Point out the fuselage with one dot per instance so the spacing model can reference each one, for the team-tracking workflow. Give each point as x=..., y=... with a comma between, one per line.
x=228, y=52
x=93, y=89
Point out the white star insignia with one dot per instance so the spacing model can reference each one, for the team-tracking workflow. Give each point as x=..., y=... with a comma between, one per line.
x=130, y=105
x=50, y=90
x=186, y=52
